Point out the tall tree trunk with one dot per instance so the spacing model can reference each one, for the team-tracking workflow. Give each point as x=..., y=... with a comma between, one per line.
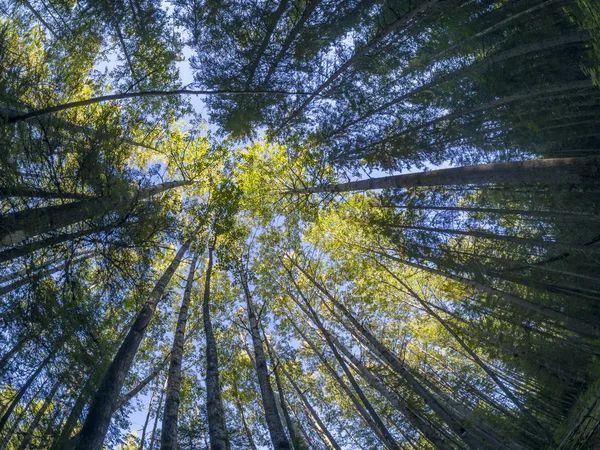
x=38, y=417
x=240, y=408
x=276, y=431
x=21, y=225
x=462, y=429
x=378, y=426
x=123, y=399
x=569, y=323
x=168, y=437
x=329, y=439
x=557, y=171
x=297, y=443
x=158, y=408
x=214, y=404
x=17, y=398
x=106, y=398
x=143, y=438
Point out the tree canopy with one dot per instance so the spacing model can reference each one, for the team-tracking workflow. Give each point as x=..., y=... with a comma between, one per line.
x=363, y=224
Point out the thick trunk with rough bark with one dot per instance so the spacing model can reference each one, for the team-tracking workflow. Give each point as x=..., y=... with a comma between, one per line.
x=106, y=398
x=276, y=431
x=556, y=171
x=168, y=439
x=214, y=404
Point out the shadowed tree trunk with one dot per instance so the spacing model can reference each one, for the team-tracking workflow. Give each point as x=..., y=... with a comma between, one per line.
x=547, y=171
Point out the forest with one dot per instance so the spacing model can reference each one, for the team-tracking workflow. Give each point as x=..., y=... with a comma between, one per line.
x=299, y=224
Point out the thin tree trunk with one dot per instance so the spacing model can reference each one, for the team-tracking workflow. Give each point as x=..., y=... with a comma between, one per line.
x=359, y=405
x=17, y=421
x=271, y=25
x=329, y=439
x=17, y=398
x=15, y=118
x=168, y=437
x=377, y=424
x=462, y=429
x=569, y=323
x=143, y=438
x=547, y=171
x=123, y=399
x=292, y=430
x=414, y=419
x=276, y=431
x=38, y=417
x=63, y=442
x=158, y=408
x=214, y=404
x=240, y=408
x=106, y=398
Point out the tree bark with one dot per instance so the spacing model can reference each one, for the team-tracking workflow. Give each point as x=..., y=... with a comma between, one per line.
x=143, y=437
x=168, y=437
x=214, y=404
x=276, y=431
x=105, y=400
x=63, y=441
x=24, y=192
x=584, y=170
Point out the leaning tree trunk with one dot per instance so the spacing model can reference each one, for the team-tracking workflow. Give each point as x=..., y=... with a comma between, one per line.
x=555, y=171
x=328, y=437
x=296, y=440
x=276, y=431
x=106, y=398
x=17, y=398
x=463, y=430
x=168, y=439
x=21, y=225
x=377, y=424
x=38, y=417
x=214, y=403
x=158, y=407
